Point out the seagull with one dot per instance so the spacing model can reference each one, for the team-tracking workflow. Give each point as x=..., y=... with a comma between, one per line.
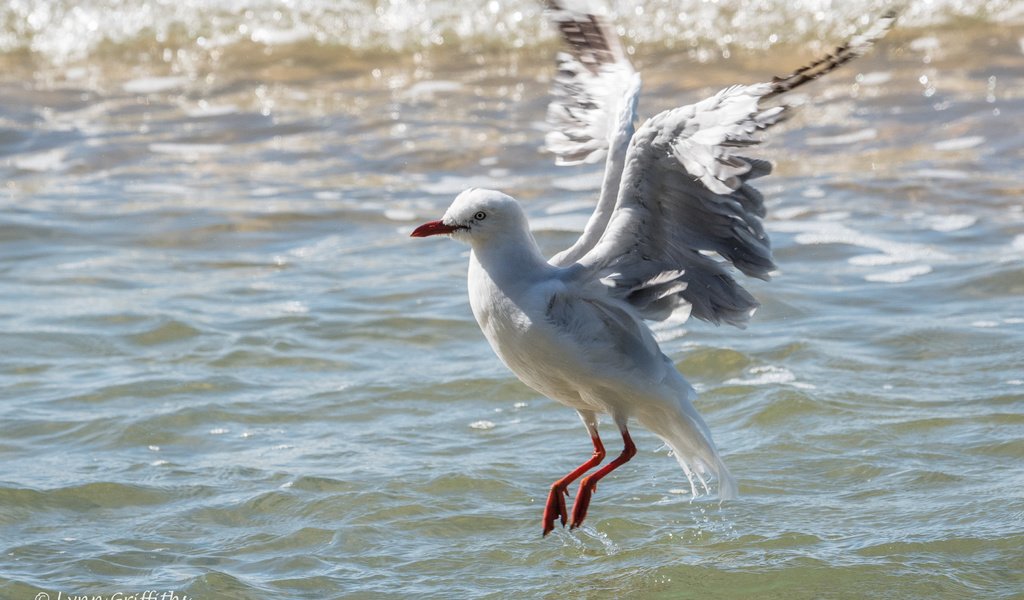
x=675, y=214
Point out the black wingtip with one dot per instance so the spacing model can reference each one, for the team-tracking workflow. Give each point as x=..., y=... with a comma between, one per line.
x=842, y=54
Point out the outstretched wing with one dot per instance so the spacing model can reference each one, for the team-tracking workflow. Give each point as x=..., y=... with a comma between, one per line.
x=686, y=210
x=591, y=78
x=592, y=114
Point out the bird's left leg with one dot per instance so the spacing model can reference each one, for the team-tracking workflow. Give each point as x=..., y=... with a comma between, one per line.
x=589, y=483
x=555, y=508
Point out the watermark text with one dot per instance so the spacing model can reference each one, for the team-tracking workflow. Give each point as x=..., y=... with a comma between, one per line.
x=144, y=595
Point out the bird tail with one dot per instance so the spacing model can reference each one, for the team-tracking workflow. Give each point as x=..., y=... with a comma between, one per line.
x=680, y=426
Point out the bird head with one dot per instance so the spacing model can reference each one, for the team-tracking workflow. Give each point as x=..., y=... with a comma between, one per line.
x=476, y=216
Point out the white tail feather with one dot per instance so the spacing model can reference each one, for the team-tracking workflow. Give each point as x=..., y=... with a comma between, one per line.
x=684, y=431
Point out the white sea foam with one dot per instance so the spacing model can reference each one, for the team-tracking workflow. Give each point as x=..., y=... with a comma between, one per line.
x=294, y=307
x=947, y=223
x=568, y=206
x=450, y=185
x=205, y=109
x=861, y=135
x=789, y=213
x=51, y=160
x=874, y=78
x=899, y=275
x=873, y=260
x=836, y=215
x=813, y=192
x=832, y=232
x=274, y=36
x=961, y=143
x=579, y=183
x=150, y=85
x=568, y=222
x=186, y=149
x=925, y=44
x=265, y=191
x=399, y=214
x=825, y=230
x=423, y=90
x=163, y=189
x=940, y=174
x=669, y=335
x=769, y=375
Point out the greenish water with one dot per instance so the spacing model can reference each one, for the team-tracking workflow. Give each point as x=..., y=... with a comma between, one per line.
x=227, y=372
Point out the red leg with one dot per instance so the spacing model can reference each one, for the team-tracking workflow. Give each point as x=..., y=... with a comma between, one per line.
x=589, y=483
x=555, y=508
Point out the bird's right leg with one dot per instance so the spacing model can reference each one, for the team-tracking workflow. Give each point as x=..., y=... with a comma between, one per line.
x=555, y=508
x=589, y=483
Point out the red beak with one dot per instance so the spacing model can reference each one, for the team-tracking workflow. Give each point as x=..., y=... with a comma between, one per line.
x=433, y=228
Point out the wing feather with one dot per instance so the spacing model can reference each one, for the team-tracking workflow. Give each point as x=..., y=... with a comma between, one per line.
x=686, y=212
x=590, y=80
x=592, y=114
x=605, y=331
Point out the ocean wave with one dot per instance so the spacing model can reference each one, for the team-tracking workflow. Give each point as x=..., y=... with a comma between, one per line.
x=63, y=32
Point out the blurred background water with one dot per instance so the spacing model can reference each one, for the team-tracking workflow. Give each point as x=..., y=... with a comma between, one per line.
x=226, y=371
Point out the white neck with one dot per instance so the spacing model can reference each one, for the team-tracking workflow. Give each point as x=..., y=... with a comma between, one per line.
x=511, y=258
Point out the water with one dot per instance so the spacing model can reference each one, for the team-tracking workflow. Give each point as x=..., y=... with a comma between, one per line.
x=227, y=372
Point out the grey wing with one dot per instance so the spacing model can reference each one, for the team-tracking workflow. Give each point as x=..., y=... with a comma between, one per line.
x=592, y=114
x=686, y=210
x=590, y=79
x=604, y=334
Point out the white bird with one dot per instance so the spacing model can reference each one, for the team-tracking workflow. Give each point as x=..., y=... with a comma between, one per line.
x=675, y=210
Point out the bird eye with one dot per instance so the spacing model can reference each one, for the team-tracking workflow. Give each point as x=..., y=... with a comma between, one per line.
x=480, y=216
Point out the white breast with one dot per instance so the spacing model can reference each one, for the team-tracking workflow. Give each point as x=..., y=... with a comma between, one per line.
x=514, y=325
